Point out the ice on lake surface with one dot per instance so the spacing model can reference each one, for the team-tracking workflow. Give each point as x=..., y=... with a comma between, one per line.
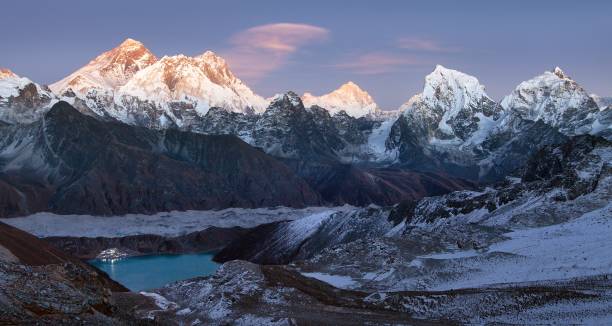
x=154, y=271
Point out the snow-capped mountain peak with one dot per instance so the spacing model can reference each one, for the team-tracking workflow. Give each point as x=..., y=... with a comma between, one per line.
x=557, y=71
x=555, y=99
x=109, y=70
x=279, y=100
x=7, y=73
x=216, y=68
x=452, y=107
x=204, y=80
x=11, y=83
x=21, y=100
x=453, y=88
x=349, y=98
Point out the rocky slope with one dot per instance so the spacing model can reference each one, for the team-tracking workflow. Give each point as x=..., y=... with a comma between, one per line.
x=468, y=256
x=245, y=293
x=289, y=130
x=42, y=285
x=327, y=151
x=575, y=174
x=70, y=163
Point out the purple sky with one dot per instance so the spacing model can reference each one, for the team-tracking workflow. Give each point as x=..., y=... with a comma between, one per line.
x=387, y=47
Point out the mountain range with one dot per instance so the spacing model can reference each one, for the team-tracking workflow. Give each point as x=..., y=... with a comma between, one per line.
x=343, y=147
x=461, y=209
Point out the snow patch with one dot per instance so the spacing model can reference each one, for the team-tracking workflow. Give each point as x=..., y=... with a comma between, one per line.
x=339, y=281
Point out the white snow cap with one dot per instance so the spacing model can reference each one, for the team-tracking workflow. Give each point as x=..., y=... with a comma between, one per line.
x=551, y=87
x=205, y=79
x=7, y=73
x=460, y=86
x=557, y=100
x=11, y=83
x=448, y=88
x=349, y=98
x=109, y=70
x=131, y=69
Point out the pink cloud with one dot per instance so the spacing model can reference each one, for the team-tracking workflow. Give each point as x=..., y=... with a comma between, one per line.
x=377, y=63
x=420, y=44
x=259, y=50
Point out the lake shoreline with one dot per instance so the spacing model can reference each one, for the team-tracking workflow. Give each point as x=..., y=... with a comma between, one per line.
x=148, y=272
x=204, y=241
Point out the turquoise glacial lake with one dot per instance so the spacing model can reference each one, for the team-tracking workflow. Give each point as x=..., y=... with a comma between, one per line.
x=154, y=271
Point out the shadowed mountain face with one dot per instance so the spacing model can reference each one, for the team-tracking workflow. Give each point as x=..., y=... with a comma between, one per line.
x=359, y=185
x=70, y=163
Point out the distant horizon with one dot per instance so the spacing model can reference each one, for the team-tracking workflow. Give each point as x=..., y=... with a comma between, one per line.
x=274, y=47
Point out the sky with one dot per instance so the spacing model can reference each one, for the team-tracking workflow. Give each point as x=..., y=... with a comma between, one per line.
x=386, y=47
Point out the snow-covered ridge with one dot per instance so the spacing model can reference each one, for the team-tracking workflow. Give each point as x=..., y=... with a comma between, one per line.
x=22, y=100
x=349, y=98
x=556, y=99
x=11, y=84
x=206, y=79
x=130, y=81
x=109, y=70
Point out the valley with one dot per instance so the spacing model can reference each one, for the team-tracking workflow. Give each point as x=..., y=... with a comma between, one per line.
x=146, y=190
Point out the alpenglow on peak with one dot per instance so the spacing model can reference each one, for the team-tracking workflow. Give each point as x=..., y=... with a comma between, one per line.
x=349, y=97
x=109, y=70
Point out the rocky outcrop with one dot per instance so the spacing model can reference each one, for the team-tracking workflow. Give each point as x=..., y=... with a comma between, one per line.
x=42, y=285
x=244, y=293
x=284, y=242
